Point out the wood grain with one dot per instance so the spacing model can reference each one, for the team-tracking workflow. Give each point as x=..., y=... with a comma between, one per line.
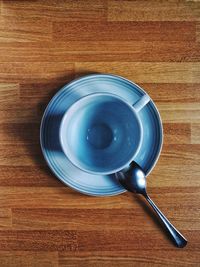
x=177, y=133
x=19, y=112
x=179, y=112
x=24, y=133
x=188, y=154
x=145, y=72
x=153, y=10
x=43, y=46
x=198, y=32
x=9, y=92
x=38, y=240
x=173, y=92
x=18, y=155
x=111, y=31
x=32, y=72
x=56, y=10
x=195, y=133
x=117, y=50
x=62, y=197
x=28, y=176
x=136, y=259
x=24, y=30
x=5, y=218
x=127, y=240
x=98, y=219
x=26, y=258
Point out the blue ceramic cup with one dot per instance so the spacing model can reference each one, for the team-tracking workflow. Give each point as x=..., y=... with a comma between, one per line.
x=101, y=133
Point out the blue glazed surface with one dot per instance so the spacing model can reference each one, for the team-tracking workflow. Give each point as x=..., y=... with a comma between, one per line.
x=101, y=133
x=97, y=185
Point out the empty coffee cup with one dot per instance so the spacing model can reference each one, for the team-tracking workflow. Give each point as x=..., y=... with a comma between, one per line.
x=101, y=133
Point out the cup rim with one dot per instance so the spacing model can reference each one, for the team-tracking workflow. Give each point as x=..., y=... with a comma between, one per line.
x=68, y=154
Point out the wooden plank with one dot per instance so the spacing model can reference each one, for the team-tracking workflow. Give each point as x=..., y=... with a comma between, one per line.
x=172, y=175
x=29, y=258
x=83, y=51
x=146, y=72
x=129, y=240
x=180, y=154
x=195, y=133
x=38, y=240
x=132, y=31
x=37, y=176
x=177, y=133
x=198, y=32
x=173, y=92
x=13, y=29
x=56, y=10
x=59, y=197
x=64, y=197
x=181, y=116
x=24, y=113
x=72, y=241
x=5, y=218
x=9, y=92
x=21, y=155
x=35, y=72
x=143, y=258
x=19, y=133
x=19, y=114
x=98, y=219
x=179, y=112
x=153, y=10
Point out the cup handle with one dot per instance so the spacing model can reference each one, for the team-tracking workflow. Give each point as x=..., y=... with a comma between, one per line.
x=141, y=102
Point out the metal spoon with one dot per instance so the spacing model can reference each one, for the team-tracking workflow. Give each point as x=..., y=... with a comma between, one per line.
x=134, y=180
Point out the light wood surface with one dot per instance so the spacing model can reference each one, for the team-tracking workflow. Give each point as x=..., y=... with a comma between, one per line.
x=44, y=45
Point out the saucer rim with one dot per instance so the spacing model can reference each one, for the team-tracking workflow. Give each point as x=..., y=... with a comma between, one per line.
x=81, y=190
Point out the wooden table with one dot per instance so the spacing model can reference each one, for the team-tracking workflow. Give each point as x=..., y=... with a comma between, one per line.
x=44, y=45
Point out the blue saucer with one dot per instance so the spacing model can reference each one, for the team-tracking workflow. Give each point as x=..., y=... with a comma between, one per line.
x=97, y=185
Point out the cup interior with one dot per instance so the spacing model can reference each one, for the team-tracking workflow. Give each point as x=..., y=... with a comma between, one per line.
x=100, y=133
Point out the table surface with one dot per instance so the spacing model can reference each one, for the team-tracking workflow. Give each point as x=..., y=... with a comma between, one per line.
x=44, y=45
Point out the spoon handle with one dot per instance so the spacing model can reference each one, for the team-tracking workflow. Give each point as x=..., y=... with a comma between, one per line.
x=178, y=238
